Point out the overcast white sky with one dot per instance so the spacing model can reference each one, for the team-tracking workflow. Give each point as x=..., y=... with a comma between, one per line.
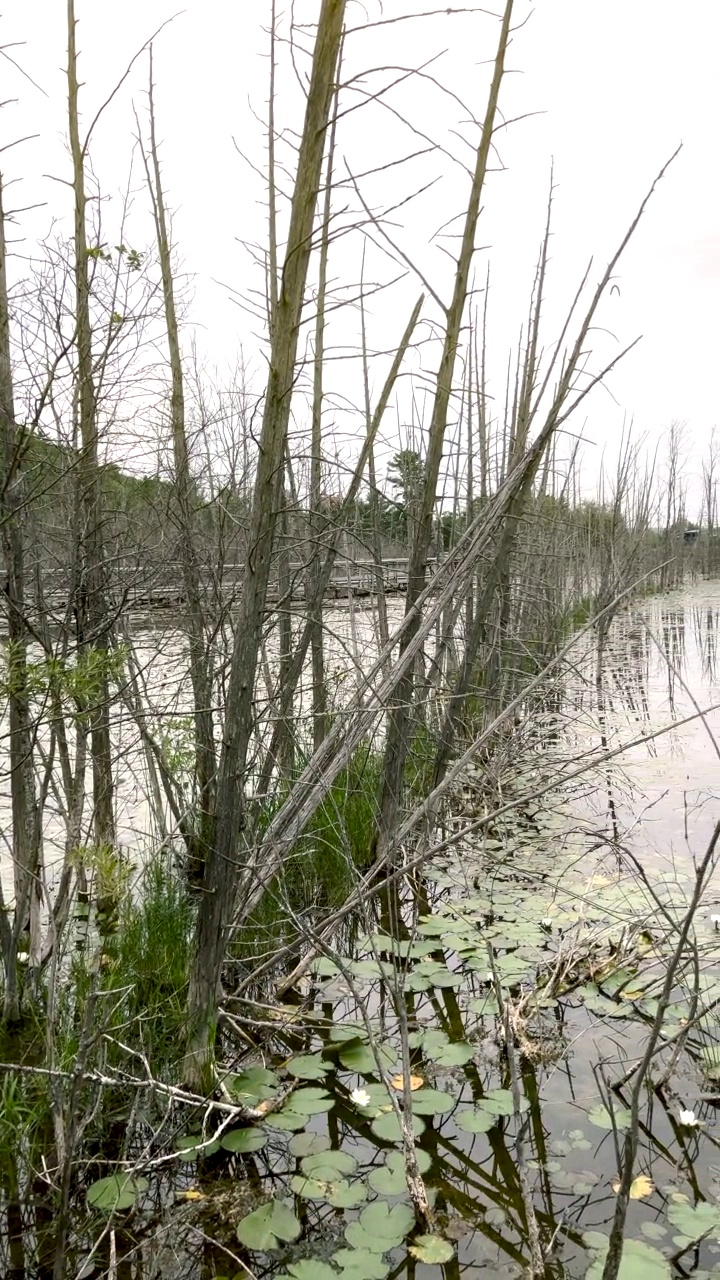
x=618, y=84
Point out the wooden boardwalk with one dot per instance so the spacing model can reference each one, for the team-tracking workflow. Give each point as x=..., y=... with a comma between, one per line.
x=133, y=588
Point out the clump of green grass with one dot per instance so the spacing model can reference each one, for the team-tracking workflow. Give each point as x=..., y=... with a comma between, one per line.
x=25, y=1128
x=420, y=762
x=340, y=838
x=148, y=958
x=581, y=612
x=322, y=871
x=130, y=984
x=26, y=1106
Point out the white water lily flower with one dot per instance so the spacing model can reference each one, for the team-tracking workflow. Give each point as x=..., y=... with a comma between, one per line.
x=688, y=1119
x=546, y=922
x=360, y=1097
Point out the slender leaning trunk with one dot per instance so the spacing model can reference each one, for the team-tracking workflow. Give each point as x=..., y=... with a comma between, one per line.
x=222, y=868
x=90, y=572
x=400, y=720
x=183, y=490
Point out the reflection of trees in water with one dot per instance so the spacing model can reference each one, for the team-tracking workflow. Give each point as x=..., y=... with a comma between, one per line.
x=636, y=635
x=622, y=659
x=620, y=700
x=626, y=665
x=705, y=628
x=672, y=643
x=621, y=677
x=615, y=691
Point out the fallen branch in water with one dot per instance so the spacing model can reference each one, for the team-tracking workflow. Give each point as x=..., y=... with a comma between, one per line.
x=175, y=1094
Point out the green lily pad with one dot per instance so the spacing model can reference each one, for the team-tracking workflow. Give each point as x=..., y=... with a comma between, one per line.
x=308, y=1066
x=617, y=981
x=442, y=978
x=347, y=1195
x=362, y=1241
x=389, y=1224
x=654, y=1231
x=187, y=1146
x=118, y=1191
x=499, y=1102
x=360, y=1058
x=288, y=1119
x=308, y=1093
x=380, y=1227
x=695, y=1221
x=309, y=1270
x=418, y=982
x=429, y=973
x=253, y=1085
x=329, y=1166
x=584, y=1185
x=431, y=1040
x=639, y=1261
x=372, y=969
x=600, y=1116
x=311, y=1101
x=256, y=1076
x=578, y=1140
x=387, y=1127
x=309, y=1188
x=267, y=1226
x=453, y=1055
x=486, y=1006
x=389, y=1179
x=417, y=950
x=511, y=969
x=581, y=1182
x=388, y=1182
x=341, y=1031
x=360, y=1264
x=308, y=1144
x=598, y=1003
x=324, y=967
x=496, y=1217
x=432, y=926
x=477, y=1121
x=432, y=1249
x=241, y=1141
x=431, y=1102
x=341, y=1195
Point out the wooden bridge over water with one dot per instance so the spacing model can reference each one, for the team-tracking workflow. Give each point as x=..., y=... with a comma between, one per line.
x=132, y=587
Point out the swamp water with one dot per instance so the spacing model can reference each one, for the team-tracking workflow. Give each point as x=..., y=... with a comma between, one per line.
x=164, y=694
x=539, y=933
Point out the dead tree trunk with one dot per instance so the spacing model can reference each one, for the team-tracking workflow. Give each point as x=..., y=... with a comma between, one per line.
x=92, y=626
x=183, y=489
x=400, y=720
x=221, y=871
x=26, y=826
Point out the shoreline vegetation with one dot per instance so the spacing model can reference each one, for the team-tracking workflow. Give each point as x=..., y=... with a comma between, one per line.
x=294, y=1016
